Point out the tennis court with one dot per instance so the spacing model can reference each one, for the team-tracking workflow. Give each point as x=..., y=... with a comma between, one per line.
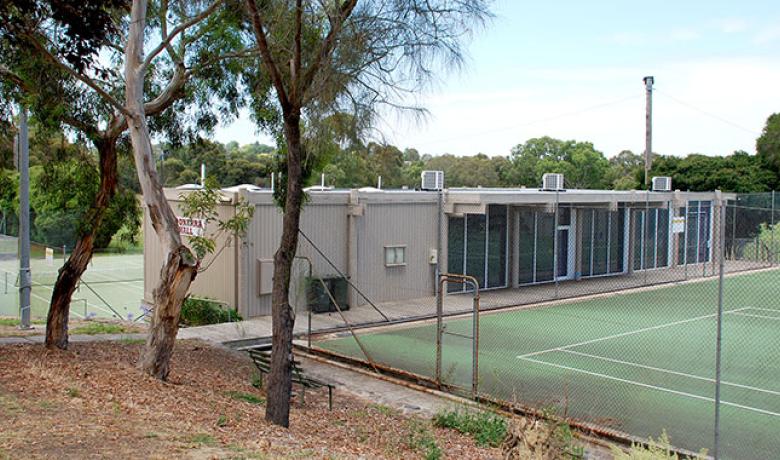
x=639, y=362
x=112, y=286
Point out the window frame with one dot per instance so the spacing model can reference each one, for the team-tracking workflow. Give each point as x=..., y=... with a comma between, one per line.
x=395, y=248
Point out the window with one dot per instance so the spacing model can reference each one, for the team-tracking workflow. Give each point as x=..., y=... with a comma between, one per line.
x=395, y=255
x=477, y=246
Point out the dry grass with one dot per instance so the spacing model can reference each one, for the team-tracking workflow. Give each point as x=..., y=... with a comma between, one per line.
x=91, y=401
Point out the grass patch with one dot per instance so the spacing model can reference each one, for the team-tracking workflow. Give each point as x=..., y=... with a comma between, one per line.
x=383, y=409
x=420, y=439
x=246, y=397
x=14, y=322
x=486, y=428
x=99, y=328
x=131, y=341
x=202, y=438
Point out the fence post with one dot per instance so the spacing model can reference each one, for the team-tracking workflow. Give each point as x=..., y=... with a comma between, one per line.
x=556, y=262
x=439, y=313
x=719, y=336
x=475, y=347
x=772, y=233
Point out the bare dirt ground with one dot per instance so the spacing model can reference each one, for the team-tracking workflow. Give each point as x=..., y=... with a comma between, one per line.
x=92, y=402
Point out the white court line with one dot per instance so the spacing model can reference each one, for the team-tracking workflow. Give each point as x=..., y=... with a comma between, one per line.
x=775, y=318
x=654, y=387
x=669, y=371
x=625, y=334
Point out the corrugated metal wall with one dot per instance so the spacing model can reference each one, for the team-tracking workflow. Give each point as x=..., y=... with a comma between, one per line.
x=324, y=221
x=410, y=224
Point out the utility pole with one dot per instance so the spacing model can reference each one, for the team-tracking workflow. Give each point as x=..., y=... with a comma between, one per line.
x=25, y=282
x=648, y=128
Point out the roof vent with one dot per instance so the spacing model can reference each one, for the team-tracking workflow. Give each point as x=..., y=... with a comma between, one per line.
x=432, y=180
x=552, y=181
x=662, y=184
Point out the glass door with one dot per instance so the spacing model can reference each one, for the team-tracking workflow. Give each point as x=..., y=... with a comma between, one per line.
x=563, y=253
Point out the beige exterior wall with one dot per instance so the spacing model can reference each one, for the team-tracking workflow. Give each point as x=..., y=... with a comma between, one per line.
x=217, y=280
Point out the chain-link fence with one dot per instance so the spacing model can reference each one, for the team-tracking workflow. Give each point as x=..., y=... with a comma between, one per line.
x=632, y=317
x=112, y=285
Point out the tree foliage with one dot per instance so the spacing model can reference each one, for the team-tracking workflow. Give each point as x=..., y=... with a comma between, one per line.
x=739, y=172
x=768, y=144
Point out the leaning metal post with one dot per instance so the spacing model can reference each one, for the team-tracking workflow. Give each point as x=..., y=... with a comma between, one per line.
x=308, y=280
x=464, y=279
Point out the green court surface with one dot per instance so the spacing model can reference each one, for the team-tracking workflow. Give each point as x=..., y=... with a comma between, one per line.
x=639, y=362
x=112, y=286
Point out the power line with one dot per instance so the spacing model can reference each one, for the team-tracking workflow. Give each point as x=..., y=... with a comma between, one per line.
x=533, y=122
x=709, y=114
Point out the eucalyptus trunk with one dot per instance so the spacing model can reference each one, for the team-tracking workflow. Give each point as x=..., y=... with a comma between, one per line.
x=71, y=272
x=279, y=385
x=180, y=266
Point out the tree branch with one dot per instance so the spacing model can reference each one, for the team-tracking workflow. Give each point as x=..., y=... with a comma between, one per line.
x=79, y=76
x=327, y=45
x=268, y=60
x=177, y=30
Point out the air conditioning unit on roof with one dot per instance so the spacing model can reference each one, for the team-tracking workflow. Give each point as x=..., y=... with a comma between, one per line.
x=662, y=184
x=432, y=180
x=552, y=181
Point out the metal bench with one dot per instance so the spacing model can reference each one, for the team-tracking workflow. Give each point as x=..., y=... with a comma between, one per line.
x=262, y=360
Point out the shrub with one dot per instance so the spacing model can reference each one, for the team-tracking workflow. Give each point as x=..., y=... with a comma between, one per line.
x=486, y=428
x=199, y=312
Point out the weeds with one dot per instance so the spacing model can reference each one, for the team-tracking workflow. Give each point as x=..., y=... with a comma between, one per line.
x=486, y=428
x=222, y=421
x=246, y=397
x=421, y=439
x=72, y=392
x=654, y=450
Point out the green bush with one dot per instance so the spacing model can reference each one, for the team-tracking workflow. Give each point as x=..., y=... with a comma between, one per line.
x=486, y=428
x=199, y=312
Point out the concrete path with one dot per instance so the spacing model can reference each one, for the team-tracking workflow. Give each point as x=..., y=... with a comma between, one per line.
x=258, y=330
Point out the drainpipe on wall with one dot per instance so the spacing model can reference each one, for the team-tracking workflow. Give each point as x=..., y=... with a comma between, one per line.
x=354, y=210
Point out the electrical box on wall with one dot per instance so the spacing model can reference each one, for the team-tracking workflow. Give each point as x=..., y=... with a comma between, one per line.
x=265, y=276
x=433, y=257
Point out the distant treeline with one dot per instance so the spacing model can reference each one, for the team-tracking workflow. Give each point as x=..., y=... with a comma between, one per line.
x=358, y=165
x=64, y=174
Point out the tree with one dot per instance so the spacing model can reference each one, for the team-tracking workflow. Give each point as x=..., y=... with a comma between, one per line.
x=768, y=144
x=71, y=89
x=323, y=58
x=624, y=169
x=582, y=165
x=739, y=172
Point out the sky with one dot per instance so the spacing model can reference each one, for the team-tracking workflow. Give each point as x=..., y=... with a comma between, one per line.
x=574, y=70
